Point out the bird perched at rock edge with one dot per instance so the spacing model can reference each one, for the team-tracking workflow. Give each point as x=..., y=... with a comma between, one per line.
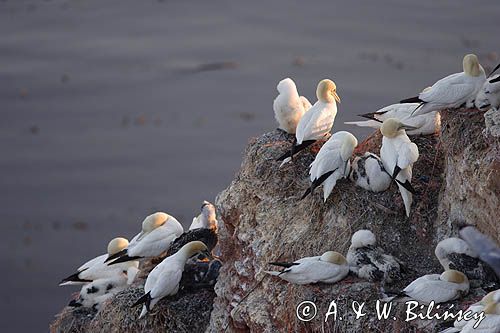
x=453, y=90
x=489, y=95
x=330, y=267
x=159, y=230
x=207, y=218
x=288, y=106
x=370, y=262
x=316, y=123
x=164, y=279
x=398, y=154
x=368, y=172
x=425, y=124
x=332, y=163
x=97, y=268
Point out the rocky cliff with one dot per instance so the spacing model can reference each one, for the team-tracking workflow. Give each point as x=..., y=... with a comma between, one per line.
x=262, y=220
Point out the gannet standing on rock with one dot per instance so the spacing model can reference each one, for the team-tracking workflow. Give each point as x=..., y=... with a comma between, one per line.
x=368, y=172
x=207, y=218
x=288, y=106
x=164, y=279
x=489, y=95
x=370, y=262
x=330, y=267
x=455, y=253
x=440, y=288
x=452, y=91
x=332, y=163
x=425, y=124
x=97, y=268
x=159, y=230
x=398, y=154
x=316, y=123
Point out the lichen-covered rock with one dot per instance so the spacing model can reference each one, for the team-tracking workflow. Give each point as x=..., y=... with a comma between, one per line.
x=263, y=220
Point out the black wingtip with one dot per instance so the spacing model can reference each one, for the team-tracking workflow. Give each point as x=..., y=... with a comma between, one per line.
x=124, y=258
x=283, y=264
x=306, y=193
x=415, y=99
x=495, y=80
x=407, y=186
x=493, y=71
x=395, y=173
x=146, y=299
x=285, y=155
x=116, y=255
x=370, y=116
x=74, y=278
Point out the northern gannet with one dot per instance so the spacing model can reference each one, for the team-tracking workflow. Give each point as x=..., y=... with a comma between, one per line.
x=452, y=91
x=164, y=279
x=93, y=294
x=368, y=172
x=330, y=267
x=440, y=288
x=316, y=123
x=207, y=218
x=288, y=106
x=398, y=154
x=488, y=96
x=97, y=268
x=455, y=253
x=424, y=124
x=370, y=262
x=491, y=320
x=159, y=230
x=332, y=163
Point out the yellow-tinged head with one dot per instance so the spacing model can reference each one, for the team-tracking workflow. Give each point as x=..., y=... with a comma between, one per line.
x=334, y=258
x=154, y=221
x=454, y=276
x=390, y=127
x=327, y=91
x=471, y=65
x=116, y=245
x=195, y=247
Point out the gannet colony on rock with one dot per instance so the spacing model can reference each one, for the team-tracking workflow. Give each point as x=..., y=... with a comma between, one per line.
x=475, y=257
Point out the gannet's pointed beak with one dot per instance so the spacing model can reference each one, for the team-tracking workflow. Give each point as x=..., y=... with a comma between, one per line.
x=336, y=96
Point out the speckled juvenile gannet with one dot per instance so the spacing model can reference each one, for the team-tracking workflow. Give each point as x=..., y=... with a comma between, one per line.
x=398, y=154
x=207, y=218
x=164, y=279
x=330, y=267
x=455, y=253
x=159, y=230
x=288, y=106
x=316, y=123
x=92, y=295
x=489, y=95
x=425, y=124
x=440, y=288
x=370, y=262
x=452, y=91
x=97, y=268
x=368, y=172
x=487, y=250
x=332, y=163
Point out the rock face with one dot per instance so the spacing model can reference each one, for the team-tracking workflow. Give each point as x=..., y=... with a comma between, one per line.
x=261, y=219
x=264, y=220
